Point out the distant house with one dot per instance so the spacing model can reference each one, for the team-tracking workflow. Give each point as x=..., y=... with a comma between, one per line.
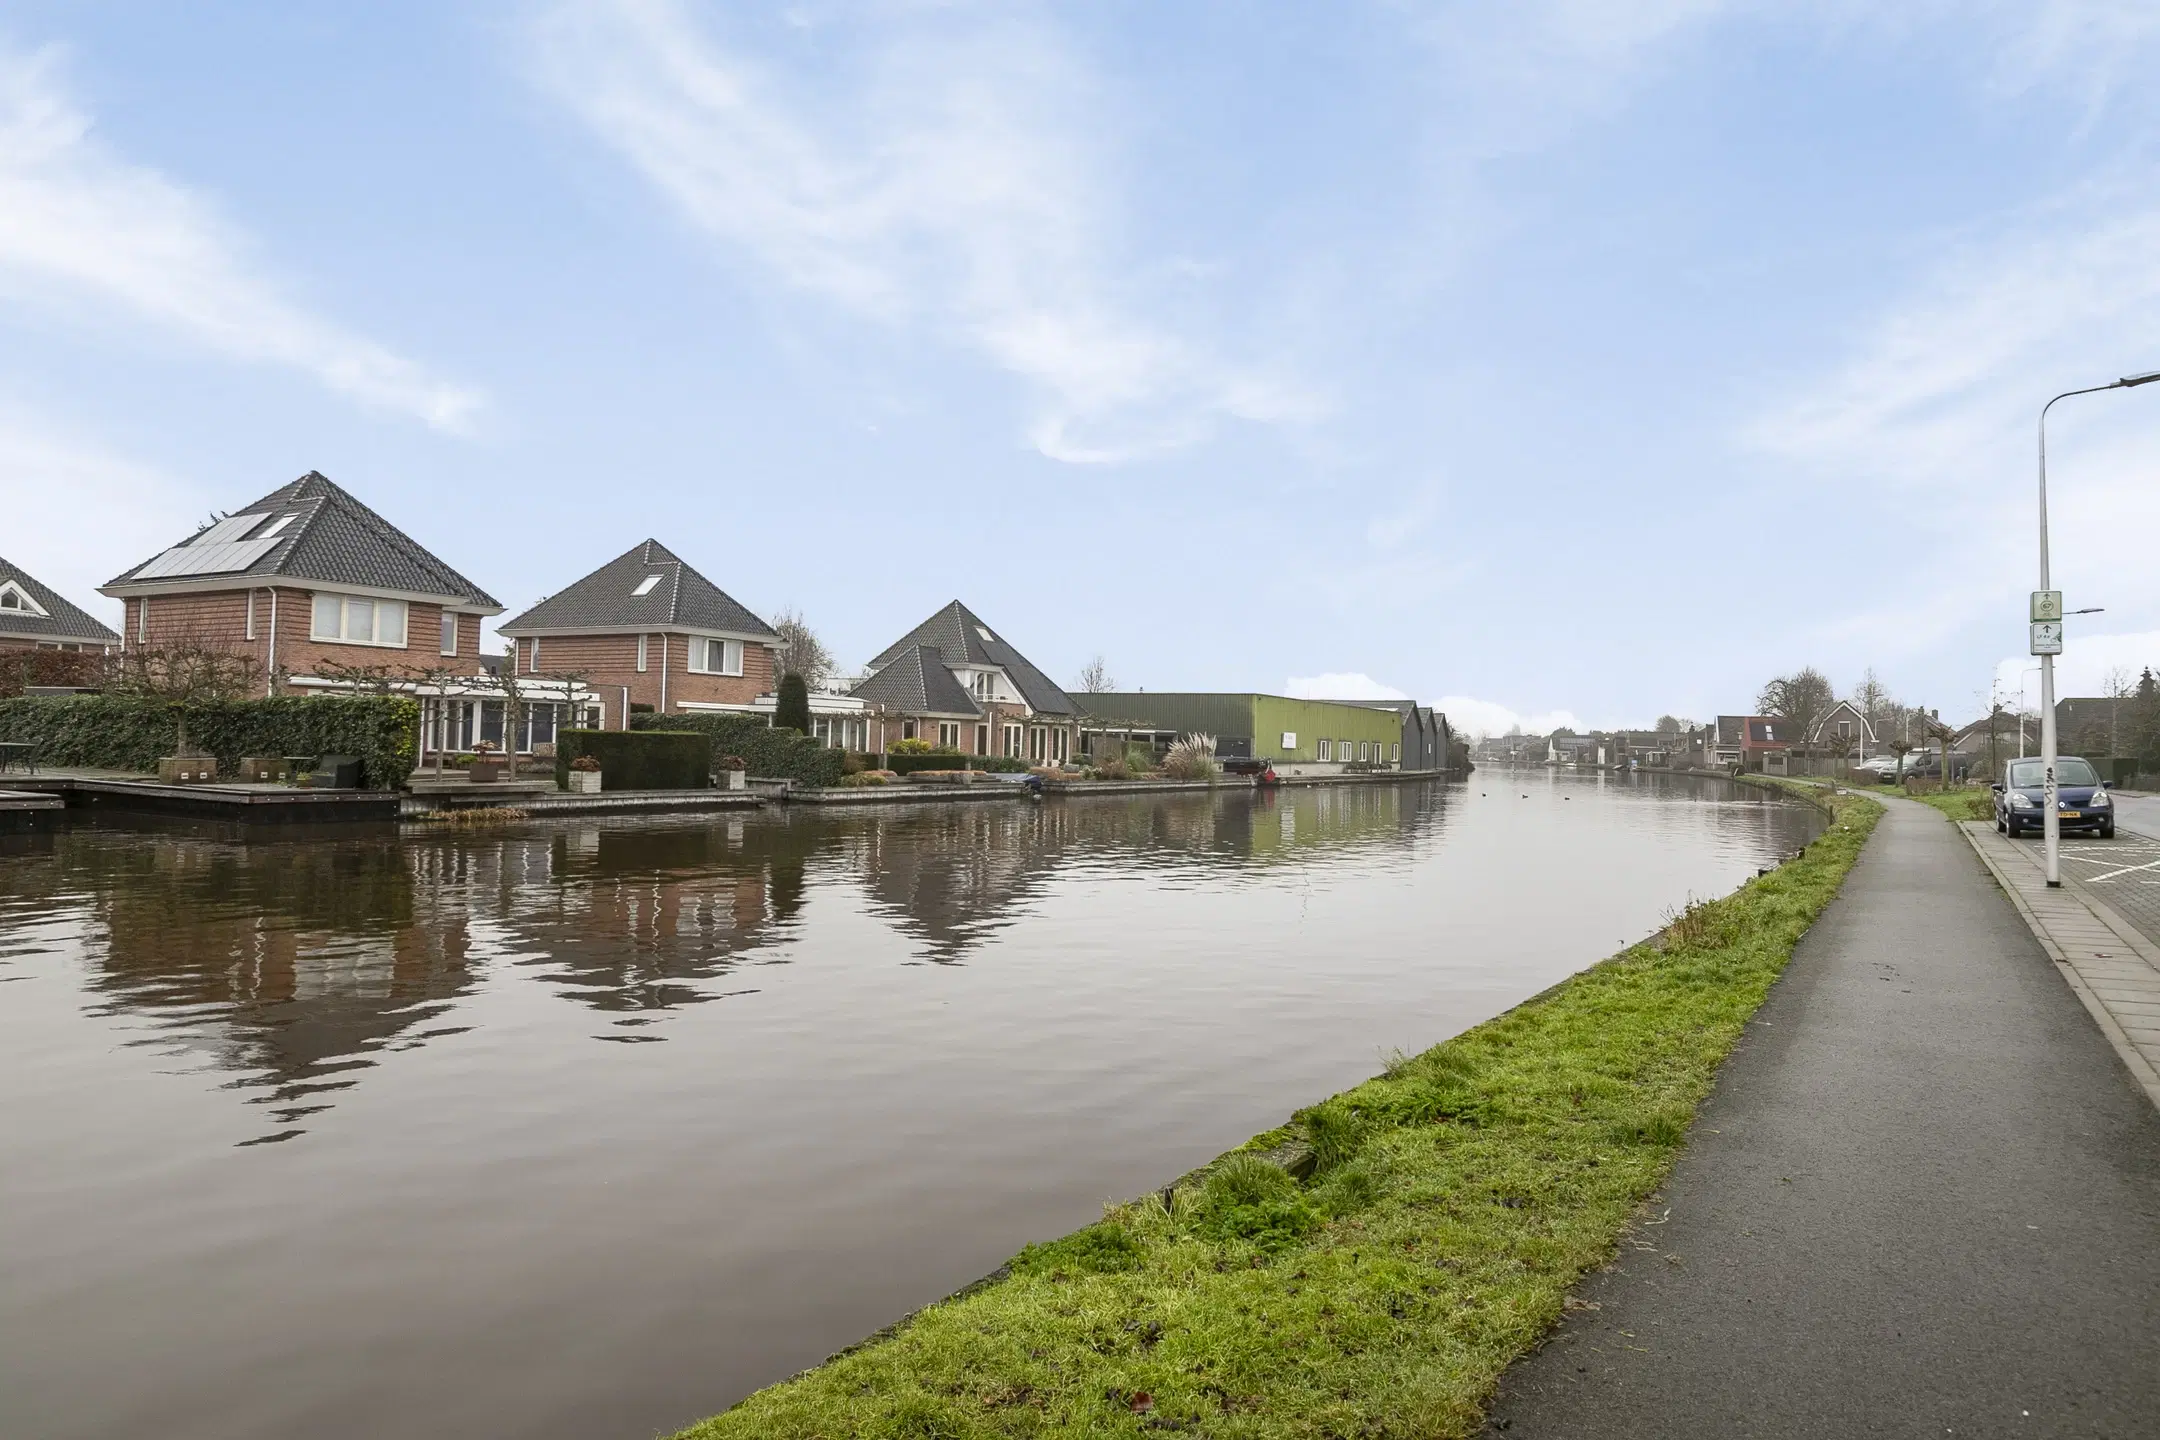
x=2093, y=725
x=1843, y=730
x=647, y=630
x=35, y=617
x=955, y=683
x=1745, y=740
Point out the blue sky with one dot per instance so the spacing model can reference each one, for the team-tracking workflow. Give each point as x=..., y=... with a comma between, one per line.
x=1555, y=358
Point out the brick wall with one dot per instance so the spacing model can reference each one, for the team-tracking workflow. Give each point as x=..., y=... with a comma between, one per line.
x=221, y=618
x=608, y=663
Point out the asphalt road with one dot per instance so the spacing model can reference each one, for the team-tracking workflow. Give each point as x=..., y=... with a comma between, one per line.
x=1923, y=1201
x=2138, y=812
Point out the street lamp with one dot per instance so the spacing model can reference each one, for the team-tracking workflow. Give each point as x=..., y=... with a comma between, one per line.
x=2051, y=822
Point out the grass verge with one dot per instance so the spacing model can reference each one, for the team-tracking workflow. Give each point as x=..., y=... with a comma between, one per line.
x=1370, y=1268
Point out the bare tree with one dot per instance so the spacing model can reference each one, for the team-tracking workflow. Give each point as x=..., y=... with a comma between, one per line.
x=804, y=653
x=184, y=673
x=1095, y=678
x=1802, y=697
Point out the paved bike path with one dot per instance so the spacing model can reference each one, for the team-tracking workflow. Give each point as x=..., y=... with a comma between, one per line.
x=1923, y=1200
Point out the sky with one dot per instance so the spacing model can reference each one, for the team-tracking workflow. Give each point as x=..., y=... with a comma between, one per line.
x=1557, y=362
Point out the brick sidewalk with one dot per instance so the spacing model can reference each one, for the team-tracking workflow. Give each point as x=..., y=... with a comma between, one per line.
x=2102, y=933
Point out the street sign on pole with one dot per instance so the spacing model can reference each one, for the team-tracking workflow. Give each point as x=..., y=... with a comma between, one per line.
x=2046, y=605
x=2047, y=637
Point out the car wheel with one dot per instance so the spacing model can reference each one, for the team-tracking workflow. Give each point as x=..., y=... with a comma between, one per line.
x=2013, y=829
x=2000, y=826
x=2107, y=829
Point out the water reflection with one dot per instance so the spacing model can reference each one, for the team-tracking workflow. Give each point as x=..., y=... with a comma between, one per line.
x=946, y=1031
x=296, y=961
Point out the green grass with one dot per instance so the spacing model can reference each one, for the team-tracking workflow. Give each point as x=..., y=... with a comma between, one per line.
x=1449, y=1206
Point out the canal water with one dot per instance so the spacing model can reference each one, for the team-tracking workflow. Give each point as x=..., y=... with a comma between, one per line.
x=587, y=1128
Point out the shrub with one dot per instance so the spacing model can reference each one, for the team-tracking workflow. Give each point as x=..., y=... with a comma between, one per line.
x=1245, y=1198
x=910, y=746
x=1103, y=1248
x=1192, y=757
x=861, y=779
x=22, y=668
x=907, y=761
x=791, y=711
x=638, y=759
x=116, y=732
x=586, y=764
x=765, y=752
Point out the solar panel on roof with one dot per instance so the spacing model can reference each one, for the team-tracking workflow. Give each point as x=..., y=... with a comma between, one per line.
x=215, y=559
x=232, y=527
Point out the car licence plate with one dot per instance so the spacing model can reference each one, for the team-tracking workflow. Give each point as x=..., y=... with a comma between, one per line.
x=2068, y=815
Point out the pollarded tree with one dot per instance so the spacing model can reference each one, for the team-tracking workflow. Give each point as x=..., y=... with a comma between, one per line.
x=183, y=673
x=1095, y=678
x=804, y=653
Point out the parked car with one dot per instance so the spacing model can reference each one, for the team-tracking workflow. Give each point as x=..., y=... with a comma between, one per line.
x=1883, y=767
x=1927, y=765
x=2081, y=797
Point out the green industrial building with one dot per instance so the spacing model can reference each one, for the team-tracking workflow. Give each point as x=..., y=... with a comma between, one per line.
x=1261, y=727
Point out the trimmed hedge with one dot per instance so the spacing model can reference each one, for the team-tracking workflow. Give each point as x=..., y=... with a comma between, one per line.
x=638, y=759
x=117, y=732
x=907, y=764
x=773, y=754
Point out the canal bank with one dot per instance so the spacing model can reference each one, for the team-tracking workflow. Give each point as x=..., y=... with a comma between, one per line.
x=1372, y=1266
x=1925, y=1200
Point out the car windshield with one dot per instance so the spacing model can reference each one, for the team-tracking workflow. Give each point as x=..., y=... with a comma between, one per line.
x=2069, y=770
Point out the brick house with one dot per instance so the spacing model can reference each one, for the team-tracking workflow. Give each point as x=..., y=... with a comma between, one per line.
x=304, y=579
x=954, y=683
x=646, y=629
x=35, y=617
x=1749, y=740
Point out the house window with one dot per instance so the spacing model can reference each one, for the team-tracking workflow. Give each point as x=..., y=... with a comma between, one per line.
x=9, y=600
x=641, y=654
x=1289, y=739
x=250, y=613
x=1395, y=751
x=948, y=734
x=348, y=620
x=907, y=729
x=1061, y=745
x=1325, y=749
x=716, y=657
x=1012, y=741
x=645, y=586
x=982, y=739
x=449, y=633
x=985, y=685
x=1037, y=742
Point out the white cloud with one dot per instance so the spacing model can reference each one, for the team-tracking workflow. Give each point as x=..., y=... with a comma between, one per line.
x=958, y=182
x=79, y=224
x=77, y=515
x=1468, y=715
x=1348, y=685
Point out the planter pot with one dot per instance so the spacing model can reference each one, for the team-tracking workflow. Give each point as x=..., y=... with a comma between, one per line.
x=584, y=782
x=734, y=779
x=485, y=772
x=187, y=769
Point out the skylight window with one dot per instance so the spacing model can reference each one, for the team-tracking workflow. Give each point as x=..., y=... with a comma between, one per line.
x=645, y=586
x=277, y=527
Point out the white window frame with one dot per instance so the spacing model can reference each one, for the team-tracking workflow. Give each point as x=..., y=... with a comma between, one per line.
x=948, y=734
x=1395, y=752
x=25, y=603
x=1324, y=749
x=641, y=652
x=251, y=613
x=449, y=632
x=646, y=586
x=731, y=655
x=1289, y=739
x=345, y=602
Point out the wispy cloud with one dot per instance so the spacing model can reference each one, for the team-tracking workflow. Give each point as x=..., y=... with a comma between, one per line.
x=956, y=181
x=1342, y=685
x=1468, y=715
x=80, y=225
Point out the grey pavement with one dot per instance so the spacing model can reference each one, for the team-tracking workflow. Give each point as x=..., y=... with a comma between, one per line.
x=1923, y=1200
x=2138, y=812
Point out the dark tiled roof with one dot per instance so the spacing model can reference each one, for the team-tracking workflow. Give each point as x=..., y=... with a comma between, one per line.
x=336, y=540
x=917, y=682
x=61, y=622
x=965, y=640
x=607, y=599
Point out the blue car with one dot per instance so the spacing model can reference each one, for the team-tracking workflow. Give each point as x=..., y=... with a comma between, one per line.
x=2081, y=797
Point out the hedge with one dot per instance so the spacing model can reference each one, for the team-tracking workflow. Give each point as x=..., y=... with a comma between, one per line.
x=772, y=754
x=904, y=764
x=638, y=759
x=117, y=732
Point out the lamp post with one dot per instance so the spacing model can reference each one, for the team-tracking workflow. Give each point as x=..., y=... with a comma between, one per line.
x=2051, y=822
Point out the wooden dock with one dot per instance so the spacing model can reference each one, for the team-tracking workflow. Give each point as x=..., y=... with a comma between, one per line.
x=248, y=803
